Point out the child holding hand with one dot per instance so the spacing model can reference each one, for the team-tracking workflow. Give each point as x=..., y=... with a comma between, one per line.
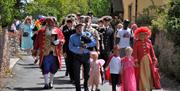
x=128, y=72
x=113, y=68
x=95, y=66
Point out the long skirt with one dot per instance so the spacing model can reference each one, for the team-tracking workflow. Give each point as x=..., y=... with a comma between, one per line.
x=146, y=79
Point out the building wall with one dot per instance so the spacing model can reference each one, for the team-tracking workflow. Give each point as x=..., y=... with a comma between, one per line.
x=126, y=4
x=142, y=4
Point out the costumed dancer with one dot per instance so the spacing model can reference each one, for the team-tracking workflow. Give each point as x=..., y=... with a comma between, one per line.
x=113, y=68
x=49, y=42
x=127, y=71
x=146, y=73
x=95, y=66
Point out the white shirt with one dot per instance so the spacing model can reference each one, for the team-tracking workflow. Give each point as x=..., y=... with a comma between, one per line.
x=124, y=36
x=115, y=65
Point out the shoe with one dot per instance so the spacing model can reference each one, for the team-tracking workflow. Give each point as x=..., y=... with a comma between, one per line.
x=72, y=81
x=97, y=90
x=46, y=86
x=86, y=89
x=36, y=60
x=66, y=74
x=50, y=85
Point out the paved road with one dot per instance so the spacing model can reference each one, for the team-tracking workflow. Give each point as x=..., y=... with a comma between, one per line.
x=27, y=77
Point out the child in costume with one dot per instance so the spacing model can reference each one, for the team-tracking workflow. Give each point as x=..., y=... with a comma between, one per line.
x=113, y=68
x=95, y=66
x=147, y=76
x=127, y=72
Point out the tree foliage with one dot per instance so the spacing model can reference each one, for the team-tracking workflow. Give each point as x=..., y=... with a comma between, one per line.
x=61, y=8
x=100, y=7
x=9, y=9
x=6, y=11
x=173, y=24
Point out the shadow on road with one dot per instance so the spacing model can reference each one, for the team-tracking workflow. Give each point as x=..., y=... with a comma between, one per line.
x=58, y=80
x=65, y=88
x=30, y=88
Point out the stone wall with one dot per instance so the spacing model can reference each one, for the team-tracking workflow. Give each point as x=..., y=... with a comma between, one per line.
x=9, y=48
x=14, y=43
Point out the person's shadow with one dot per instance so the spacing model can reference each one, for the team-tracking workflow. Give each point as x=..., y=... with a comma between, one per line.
x=30, y=88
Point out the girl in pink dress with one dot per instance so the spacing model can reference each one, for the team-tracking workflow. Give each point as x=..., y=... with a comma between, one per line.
x=128, y=72
x=95, y=76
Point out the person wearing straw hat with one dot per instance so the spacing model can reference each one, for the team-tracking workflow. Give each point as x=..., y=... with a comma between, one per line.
x=49, y=42
x=26, y=41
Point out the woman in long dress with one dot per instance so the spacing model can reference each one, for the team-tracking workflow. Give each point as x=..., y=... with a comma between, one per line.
x=26, y=41
x=147, y=75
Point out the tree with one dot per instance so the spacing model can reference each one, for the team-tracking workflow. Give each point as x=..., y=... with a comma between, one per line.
x=61, y=8
x=58, y=8
x=100, y=7
x=7, y=11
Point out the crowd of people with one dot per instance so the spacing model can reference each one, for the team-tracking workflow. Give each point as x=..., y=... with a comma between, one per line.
x=120, y=52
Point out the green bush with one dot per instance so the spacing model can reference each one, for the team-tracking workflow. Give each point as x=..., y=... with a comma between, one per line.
x=173, y=24
x=169, y=21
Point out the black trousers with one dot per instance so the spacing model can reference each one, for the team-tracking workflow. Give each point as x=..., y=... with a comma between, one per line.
x=115, y=80
x=69, y=65
x=78, y=60
x=104, y=54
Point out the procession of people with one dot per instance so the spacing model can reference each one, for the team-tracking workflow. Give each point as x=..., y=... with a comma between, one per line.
x=121, y=54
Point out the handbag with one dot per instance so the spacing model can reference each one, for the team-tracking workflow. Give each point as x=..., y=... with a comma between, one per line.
x=25, y=34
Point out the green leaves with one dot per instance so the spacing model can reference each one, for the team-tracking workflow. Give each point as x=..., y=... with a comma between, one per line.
x=6, y=11
x=61, y=8
x=173, y=24
x=9, y=9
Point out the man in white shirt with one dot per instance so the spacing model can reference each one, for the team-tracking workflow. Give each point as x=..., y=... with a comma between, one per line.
x=123, y=37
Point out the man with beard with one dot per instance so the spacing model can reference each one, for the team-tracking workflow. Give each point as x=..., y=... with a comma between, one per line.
x=49, y=41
